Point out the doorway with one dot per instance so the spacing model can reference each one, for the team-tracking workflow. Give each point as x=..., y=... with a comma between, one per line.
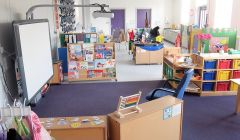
x=118, y=22
x=144, y=18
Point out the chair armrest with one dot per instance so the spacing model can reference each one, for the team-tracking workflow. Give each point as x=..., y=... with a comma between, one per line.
x=163, y=89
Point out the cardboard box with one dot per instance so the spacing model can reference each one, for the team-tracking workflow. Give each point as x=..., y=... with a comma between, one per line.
x=86, y=131
x=160, y=119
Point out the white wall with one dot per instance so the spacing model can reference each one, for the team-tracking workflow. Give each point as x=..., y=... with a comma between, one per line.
x=179, y=12
x=161, y=11
x=16, y=10
x=236, y=15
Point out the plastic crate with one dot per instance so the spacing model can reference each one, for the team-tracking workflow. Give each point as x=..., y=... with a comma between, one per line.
x=236, y=74
x=208, y=86
x=233, y=87
x=210, y=64
x=236, y=64
x=223, y=75
x=224, y=64
x=223, y=86
x=209, y=75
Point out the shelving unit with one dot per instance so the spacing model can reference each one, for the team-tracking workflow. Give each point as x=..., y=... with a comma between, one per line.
x=214, y=81
x=91, y=62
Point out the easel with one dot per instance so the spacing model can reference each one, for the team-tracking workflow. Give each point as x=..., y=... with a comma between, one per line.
x=128, y=105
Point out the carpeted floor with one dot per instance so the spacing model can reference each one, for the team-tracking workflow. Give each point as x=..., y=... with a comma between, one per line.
x=205, y=118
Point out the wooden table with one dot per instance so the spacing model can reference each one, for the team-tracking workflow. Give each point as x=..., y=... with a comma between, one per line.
x=237, y=81
x=86, y=131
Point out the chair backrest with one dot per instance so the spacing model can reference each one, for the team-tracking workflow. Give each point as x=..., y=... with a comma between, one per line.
x=183, y=84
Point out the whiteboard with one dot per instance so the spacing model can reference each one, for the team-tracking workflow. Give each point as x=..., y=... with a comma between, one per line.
x=34, y=54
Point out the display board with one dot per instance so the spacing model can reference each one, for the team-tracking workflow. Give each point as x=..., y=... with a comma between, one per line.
x=89, y=61
x=33, y=48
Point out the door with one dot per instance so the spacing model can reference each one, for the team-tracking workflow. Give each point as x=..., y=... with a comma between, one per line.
x=118, y=22
x=143, y=16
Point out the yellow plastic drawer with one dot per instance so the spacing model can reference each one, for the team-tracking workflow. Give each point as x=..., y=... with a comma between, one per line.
x=234, y=87
x=236, y=64
x=223, y=75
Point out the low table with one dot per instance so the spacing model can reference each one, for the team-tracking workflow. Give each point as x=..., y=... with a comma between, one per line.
x=237, y=81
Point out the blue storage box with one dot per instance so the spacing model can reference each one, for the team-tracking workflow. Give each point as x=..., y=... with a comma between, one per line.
x=62, y=55
x=210, y=64
x=208, y=87
x=209, y=75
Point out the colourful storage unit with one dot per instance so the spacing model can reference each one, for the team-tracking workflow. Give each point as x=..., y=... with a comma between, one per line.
x=209, y=75
x=236, y=64
x=224, y=64
x=210, y=64
x=223, y=75
x=208, y=86
x=234, y=87
x=223, y=86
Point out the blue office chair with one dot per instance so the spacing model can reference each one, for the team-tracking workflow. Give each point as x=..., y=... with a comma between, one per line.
x=178, y=93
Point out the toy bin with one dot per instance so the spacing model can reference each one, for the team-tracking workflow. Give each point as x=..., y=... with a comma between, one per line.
x=224, y=75
x=224, y=64
x=211, y=75
x=236, y=74
x=210, y=64
x=208, y=86
x=233, y=87
x=236, y=64
x=222, y=86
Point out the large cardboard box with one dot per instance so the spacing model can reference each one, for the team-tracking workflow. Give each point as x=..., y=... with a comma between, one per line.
x=160, y=119
x=86, y=131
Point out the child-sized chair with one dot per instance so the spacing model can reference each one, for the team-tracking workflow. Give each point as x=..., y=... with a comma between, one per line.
x=178, y=93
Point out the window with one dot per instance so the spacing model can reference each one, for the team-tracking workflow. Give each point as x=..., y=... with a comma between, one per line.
x=223, y=14
x=202, y=20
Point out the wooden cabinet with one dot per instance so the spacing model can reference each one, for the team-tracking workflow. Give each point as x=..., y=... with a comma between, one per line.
x=85, y=131
x=160, y=119
x=142, y=56
x=57, y=73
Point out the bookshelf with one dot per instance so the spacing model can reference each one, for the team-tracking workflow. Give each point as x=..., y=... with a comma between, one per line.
x=213, y=71
x=91, y=62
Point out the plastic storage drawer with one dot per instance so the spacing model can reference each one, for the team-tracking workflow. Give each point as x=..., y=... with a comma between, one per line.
x=208, y=86
x=234, y=87
x=210, y=64
x=223, y=86
x=223, y=75
x=236, y=64
x=209, y=75
x=236, y=74
x=224, y=64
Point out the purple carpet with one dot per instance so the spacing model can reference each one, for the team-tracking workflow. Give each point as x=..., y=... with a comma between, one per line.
x=205, y=118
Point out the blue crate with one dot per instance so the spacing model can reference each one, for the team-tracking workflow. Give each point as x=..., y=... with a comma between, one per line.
x=209, y=75
x=62, y=55
x=208, y=87
x=210, y=64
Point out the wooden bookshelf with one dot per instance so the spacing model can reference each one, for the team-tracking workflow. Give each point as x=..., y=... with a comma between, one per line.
x=198, y=60
x=98, y=67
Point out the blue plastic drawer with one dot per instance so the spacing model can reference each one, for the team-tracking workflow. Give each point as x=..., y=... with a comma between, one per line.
x=209, y=75
x=210, y=64
x=208, y=87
